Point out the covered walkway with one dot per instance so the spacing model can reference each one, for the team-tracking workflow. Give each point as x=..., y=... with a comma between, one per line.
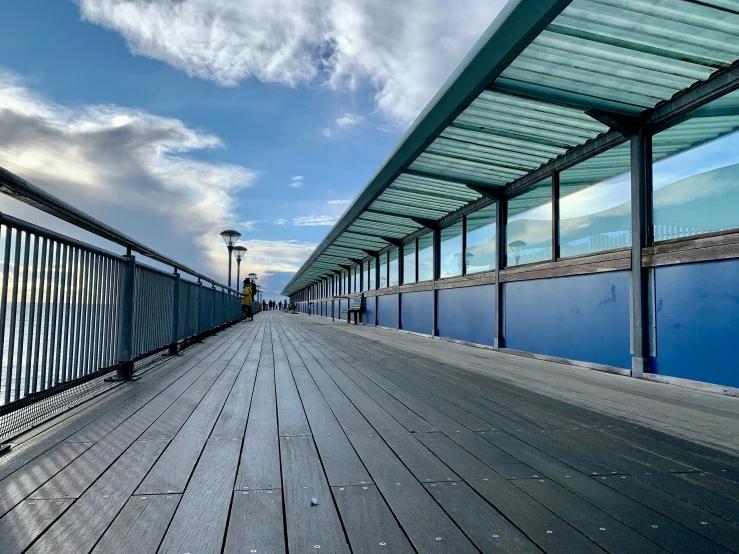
x=297, y=434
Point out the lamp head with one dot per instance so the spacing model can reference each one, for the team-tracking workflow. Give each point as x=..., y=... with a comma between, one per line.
x=239, y=252
x=230, y=237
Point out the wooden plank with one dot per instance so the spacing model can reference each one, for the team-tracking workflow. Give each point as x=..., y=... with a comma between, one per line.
x=702, y=522
x=260, y=456
x=716, y=483
x=171, y=472
x=340, y=462
x=27, y=521
x=427, y=526
x=641, y=519
x=368, y=521
x=598, y=526
x=18, y=485
x=309, y=527
x=548, y=531
x=290, y=414
x=82, y=525
x=485, y=527
x=256, y=523
x=356, y=405
x=199, y=524
x=140, y=525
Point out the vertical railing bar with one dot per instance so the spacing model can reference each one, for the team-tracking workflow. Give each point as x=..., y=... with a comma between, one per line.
x=22, y=322
x=60, y=265
x=69, y=312
x=13, y=311
x=4, y=300
x=84, y=362
x=97, y=358
x=115, y=315
x=106, y=285
x=31, y=317
x=79, y=343
x=91, y=313
x=41, y=315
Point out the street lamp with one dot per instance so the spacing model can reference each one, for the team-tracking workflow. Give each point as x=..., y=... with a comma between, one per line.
x=239, y=253
x=252, y=277
x=230, y=237
x=516, y=247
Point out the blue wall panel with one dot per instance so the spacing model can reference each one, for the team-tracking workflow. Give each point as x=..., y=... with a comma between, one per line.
x=342, y=306
x=368, y=316
x=387, y=311
x=417, y=311
x=584, y=317
x=698, y=321
x=467, y=314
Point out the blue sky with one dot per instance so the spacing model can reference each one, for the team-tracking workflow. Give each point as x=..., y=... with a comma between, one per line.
x=174, y=120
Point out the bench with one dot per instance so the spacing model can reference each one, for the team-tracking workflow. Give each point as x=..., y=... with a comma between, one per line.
x=355, y=307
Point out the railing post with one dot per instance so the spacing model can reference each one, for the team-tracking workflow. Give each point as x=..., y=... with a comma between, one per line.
x=213, y=311
x=125, y=365
x=198, y=302
x=175, y=314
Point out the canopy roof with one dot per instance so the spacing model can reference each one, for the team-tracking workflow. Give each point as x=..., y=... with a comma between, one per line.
x=547, y=77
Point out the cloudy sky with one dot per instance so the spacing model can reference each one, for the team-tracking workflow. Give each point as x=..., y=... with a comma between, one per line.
x=172, y=120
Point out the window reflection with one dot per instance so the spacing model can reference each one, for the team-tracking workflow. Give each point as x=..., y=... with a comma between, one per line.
x=383, y=272
x=696, y=172
x=529, y=226
x=426, y=257
x=480, y=253
x=595, y=204
x=393, y=268
x=365, y=272
x=409, y=262
x=451, y=250
x=372, y=273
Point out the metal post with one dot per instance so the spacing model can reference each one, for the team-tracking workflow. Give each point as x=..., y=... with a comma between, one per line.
x=125, y=365
x=436, y=273
x=175, y=314
x=230, y=249
x=213, y=311
x=401, y=280
x=500, y=211
x=198, y=302
x=555, y=216
x=377, y=282
x=238, y=274
x=641, y=216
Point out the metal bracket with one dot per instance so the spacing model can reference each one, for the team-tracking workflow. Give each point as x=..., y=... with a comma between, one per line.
x=627, y=125
x=487, y=192
x=5, y=448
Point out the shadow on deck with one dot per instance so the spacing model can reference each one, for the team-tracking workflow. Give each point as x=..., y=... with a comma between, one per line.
x=407, y=444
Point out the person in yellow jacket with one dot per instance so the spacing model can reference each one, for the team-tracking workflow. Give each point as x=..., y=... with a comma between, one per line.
x=247, y=298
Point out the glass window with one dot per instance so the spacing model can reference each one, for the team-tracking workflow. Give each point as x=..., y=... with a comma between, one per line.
x=344, y=281
x=366, y=270
x=383, y=271
x=409, y=262
x=696, y=172
x=529, y=226
x=480, y=252
x=393, y=268
x=426, y=257
x=451, y=250
x=372, y=273
x=595, y=204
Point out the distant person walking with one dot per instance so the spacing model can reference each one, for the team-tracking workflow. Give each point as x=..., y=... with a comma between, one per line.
x=279, y=306
x=247, y=299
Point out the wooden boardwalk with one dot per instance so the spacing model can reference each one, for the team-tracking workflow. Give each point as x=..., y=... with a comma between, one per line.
x=295, y=434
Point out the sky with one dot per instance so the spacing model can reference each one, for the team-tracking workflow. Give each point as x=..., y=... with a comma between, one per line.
x=172, y=120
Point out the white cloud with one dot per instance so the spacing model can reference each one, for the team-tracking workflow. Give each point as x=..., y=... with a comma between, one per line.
x=338, y=202
x=403, y=49
x=297, y=181
x=280, y=221
x=328, y=133
x=248, y=225
x=129, y=168
x=314, y=220
x=349, y=119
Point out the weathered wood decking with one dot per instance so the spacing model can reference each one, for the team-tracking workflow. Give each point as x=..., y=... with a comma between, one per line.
x=408, y=444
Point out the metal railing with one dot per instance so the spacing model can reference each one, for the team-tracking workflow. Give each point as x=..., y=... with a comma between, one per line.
x=71, y=312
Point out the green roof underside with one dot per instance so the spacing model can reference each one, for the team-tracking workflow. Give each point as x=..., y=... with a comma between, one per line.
x=519, y=101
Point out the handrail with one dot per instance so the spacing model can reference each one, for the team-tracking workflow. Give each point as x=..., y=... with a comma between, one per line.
x=28, y=193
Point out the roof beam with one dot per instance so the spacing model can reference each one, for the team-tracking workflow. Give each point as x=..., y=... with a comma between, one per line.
x=427, y=223
x=487, y=192
x=392, y=241
x=627, y=125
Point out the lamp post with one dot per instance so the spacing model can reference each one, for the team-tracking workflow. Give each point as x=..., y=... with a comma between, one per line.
x=239, y=253
x=230, y=237
x=252, y=277
x=516, y=247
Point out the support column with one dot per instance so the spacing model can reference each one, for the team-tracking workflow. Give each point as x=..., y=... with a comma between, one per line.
x=641, y=230
x=555, y=216
x=435, y=274
x=175, y=314
x=401, y=281
x=377, y=283
x=125, y=366
x=500, y=211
